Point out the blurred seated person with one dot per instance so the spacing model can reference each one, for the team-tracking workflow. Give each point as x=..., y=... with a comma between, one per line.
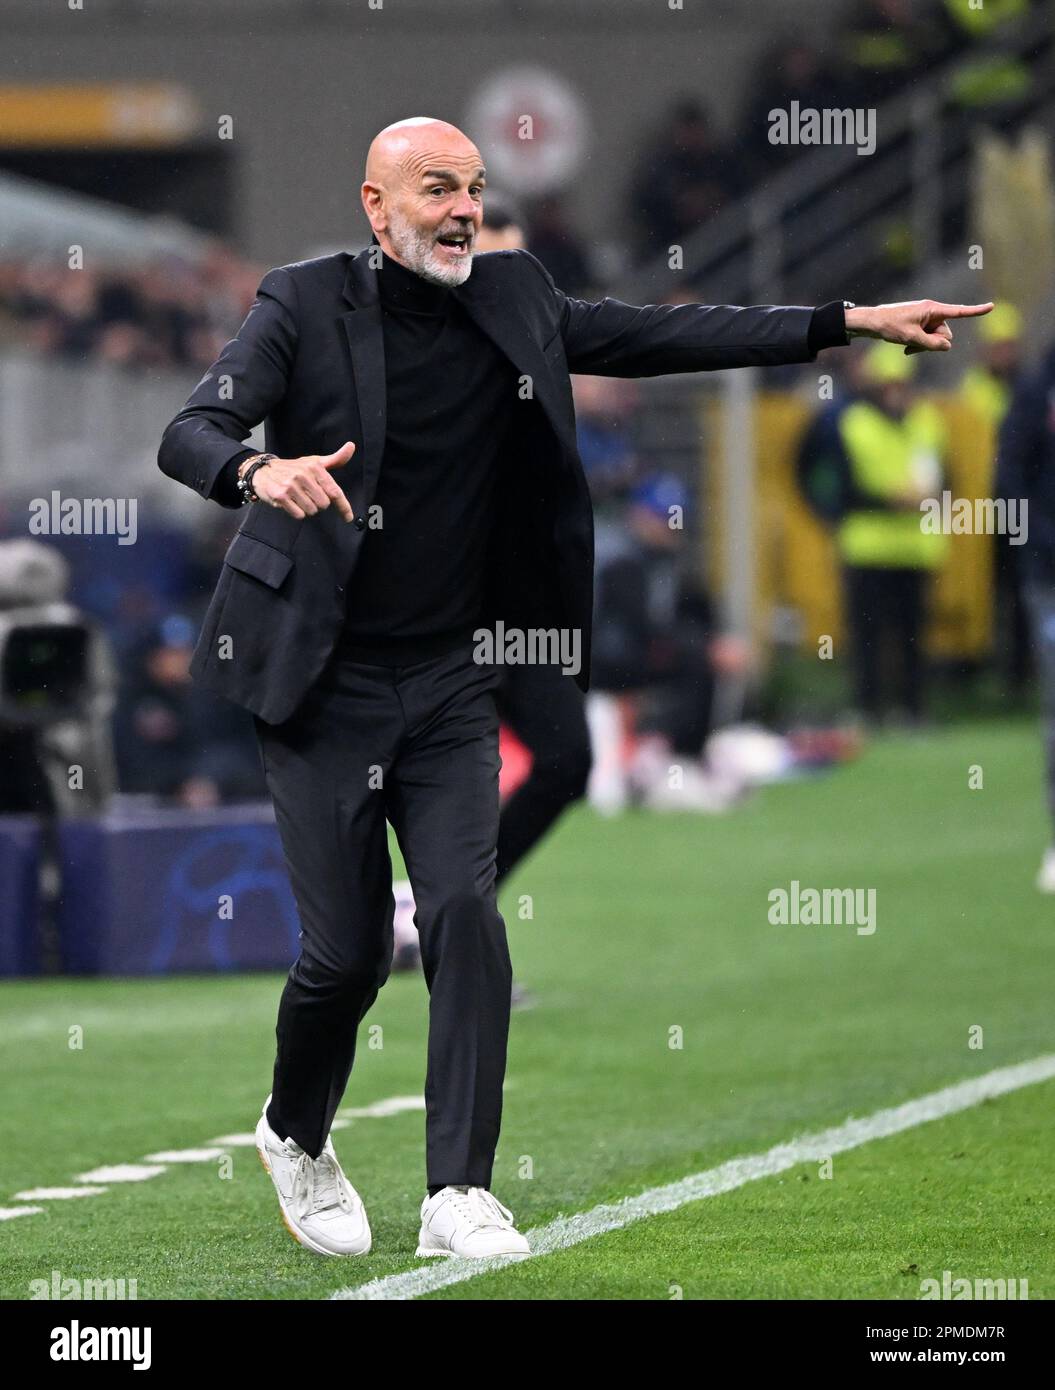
x=657, y=641
x=174, y=741
x=685, y=176
x=557, y=244
x=503, y=224
x=604, y=406
x=792, y=70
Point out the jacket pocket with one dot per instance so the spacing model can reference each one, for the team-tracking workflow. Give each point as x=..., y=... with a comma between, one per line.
x=258, y=559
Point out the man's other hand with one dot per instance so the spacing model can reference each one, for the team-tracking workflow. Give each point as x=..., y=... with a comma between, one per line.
x=921, y=324
x=304, y=486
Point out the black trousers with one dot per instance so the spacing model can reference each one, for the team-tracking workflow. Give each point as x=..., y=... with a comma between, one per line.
x=547, y=712
x=418, y=746
x=885, y=609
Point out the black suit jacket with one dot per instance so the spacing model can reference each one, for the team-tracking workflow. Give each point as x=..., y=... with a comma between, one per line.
x=309, y=361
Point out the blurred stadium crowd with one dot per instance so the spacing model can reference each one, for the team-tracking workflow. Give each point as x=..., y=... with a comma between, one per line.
x=179, y=313
x=662, y=654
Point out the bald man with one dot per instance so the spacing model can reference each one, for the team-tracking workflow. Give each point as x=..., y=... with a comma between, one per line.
x=420, y=520
x=544, y=710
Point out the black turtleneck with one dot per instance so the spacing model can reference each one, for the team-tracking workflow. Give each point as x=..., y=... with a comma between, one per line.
x=451, y=399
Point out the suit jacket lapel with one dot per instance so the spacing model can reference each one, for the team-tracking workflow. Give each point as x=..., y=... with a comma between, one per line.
x=363, y=327
x=508, y=330
x=501, y=322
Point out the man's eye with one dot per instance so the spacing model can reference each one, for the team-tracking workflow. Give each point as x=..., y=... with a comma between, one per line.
x=438, y=189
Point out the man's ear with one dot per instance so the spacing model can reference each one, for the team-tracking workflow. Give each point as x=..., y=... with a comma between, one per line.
x=373, y=205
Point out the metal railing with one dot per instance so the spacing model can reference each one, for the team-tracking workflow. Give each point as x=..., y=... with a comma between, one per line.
x=819, y=225
x=67, y=426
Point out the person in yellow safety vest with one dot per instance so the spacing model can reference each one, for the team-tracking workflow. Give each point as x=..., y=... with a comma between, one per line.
x=894, y=446
x=989, y=74
x=987, y=385
x=883, y=45
x=987, y=388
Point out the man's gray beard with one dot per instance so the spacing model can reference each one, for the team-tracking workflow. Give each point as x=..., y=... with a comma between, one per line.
x=417, y=251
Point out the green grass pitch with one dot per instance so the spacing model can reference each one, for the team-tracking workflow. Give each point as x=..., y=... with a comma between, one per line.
x=641, y=925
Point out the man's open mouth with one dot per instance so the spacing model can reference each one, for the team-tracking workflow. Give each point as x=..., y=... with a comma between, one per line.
x=457, y=243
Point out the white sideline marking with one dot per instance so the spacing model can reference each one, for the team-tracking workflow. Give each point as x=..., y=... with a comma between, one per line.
x=184, y=1156
x=394, y=1105
x=155, y=1164
x=571, y=1230
x=122, y=1172
x=57, y=1194
x=248, y=1141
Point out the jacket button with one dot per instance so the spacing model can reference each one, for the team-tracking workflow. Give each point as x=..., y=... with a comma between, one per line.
x=360, y=522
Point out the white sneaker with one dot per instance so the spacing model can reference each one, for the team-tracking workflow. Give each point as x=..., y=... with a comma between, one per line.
x=1046, y=873
x=320, y=1207
x=468, y=1221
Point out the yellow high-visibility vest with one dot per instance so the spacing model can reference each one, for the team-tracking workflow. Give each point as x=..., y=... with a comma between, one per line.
x=985, y=393
x=980, y=20
x=887, y=456
x=986, y=76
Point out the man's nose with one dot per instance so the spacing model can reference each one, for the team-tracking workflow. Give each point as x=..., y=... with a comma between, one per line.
x=464, y=207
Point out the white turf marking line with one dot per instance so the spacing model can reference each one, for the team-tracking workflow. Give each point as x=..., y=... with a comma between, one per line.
x=155, y=1164
x=571, y=1230
x=57, y=1194
x=122, y=1172
x=184, y=1156
x=394, y=1105
x=248, y=1141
